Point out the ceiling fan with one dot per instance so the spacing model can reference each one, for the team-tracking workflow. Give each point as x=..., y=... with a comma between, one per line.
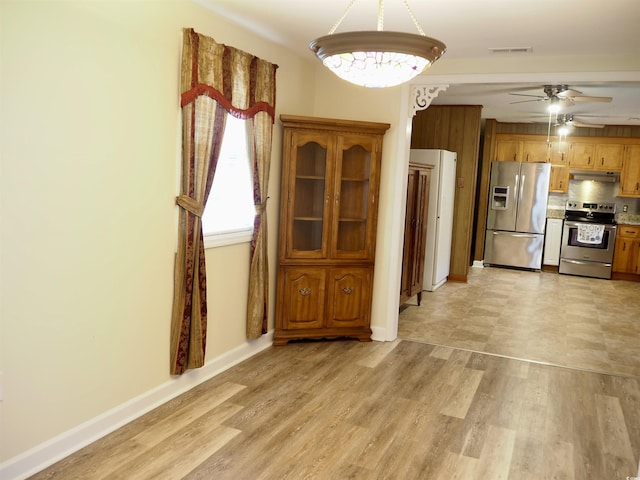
x=570, y=121
x=561, y=95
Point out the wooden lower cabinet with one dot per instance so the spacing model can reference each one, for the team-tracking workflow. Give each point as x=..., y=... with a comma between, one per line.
x=323, y=302
x=626, y=256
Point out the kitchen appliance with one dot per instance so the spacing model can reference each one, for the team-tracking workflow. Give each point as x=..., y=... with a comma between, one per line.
x=517, y=213
x=588, y=239
x=440, y=217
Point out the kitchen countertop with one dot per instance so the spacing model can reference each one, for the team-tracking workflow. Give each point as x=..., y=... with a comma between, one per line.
x=555, y=213
x=628, y=218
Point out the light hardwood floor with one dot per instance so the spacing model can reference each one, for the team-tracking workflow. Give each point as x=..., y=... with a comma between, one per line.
x=401, y=410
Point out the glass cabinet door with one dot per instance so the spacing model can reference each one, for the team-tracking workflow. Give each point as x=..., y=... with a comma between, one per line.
x=308, y=200
x=353, y=197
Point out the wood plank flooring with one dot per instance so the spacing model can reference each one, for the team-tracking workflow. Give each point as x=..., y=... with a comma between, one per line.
x=401, y=410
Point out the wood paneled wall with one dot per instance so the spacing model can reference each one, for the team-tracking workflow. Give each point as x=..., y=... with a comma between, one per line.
x=455, y=128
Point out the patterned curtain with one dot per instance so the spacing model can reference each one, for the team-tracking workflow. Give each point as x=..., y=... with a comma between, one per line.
x=216, y=79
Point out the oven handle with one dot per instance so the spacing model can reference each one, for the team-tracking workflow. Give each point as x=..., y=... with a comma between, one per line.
x=607, y=226
x=578, y=262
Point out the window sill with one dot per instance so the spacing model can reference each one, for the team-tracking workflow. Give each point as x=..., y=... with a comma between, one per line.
x=213, y=240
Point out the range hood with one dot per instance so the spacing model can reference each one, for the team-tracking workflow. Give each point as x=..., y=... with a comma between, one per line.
x=610, y=177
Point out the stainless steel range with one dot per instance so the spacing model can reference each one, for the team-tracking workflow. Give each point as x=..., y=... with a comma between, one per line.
x=588, y=239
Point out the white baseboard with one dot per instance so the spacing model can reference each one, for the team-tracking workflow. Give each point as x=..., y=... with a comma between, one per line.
x=63, y=445
x=478, y=264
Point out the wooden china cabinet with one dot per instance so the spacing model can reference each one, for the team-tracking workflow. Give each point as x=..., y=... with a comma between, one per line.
x=328, y=217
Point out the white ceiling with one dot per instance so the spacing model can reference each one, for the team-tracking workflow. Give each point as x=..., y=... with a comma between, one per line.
x=555, y=29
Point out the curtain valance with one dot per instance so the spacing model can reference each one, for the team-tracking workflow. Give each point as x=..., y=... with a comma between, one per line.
x=242, y=83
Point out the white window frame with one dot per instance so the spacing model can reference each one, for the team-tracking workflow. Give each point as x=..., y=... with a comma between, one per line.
x=228, y=237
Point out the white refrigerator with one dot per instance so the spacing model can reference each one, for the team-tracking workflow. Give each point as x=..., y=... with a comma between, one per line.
x=440, y=220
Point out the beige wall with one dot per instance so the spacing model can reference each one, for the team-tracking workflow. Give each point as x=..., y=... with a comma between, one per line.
x=90, y=145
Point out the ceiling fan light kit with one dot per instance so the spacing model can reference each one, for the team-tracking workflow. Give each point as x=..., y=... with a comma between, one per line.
x=378, y=58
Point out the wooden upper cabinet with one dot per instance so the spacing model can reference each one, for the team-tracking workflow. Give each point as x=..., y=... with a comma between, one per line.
x=558, y=153
x=508, y=150
x=581, y=155
x=308, y=206
x=513, y=148
x=630, y=176
x=608, y=157
x=354, y=196
x=535, y=151
x=332, y=189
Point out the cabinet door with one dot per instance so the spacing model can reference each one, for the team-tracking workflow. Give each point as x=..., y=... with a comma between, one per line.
x=630, y=176
x=552, y=242
x=308, y=196
x=622, y=255
x=559, y=179
x=625, y=256
x=349, y=297
x=558, y=153
x=415, y=231
x=303, y=297
x=581, y=155
x=535, y=151
x=508, y=151
x=355, y=191
x=608, y=157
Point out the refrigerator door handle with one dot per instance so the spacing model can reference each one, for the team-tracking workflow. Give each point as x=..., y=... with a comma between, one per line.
x=518, y=235
x=523, y=179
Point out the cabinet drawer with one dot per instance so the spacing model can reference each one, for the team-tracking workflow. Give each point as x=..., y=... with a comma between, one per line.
x=629, y=231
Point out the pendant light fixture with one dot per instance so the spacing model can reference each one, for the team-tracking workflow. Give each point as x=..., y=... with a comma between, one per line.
x=377, y=58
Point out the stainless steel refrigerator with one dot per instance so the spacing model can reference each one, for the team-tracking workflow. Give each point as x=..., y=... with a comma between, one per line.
x=442, y=191
x=516, y=214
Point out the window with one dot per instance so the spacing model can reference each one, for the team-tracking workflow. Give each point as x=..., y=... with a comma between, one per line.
x=229, y=212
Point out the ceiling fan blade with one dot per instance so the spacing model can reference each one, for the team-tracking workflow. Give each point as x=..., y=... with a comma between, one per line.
x=527, y=101
x=541, y=97
x=578, y=123
x=568, y=93
x=591, y=99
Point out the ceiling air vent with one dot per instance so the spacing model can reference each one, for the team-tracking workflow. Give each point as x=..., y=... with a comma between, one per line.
x=510, y=50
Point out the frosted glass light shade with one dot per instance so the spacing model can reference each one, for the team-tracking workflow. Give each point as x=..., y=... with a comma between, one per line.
x=377, y=58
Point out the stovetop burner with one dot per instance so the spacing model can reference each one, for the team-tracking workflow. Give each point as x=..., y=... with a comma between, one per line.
x=590, y=212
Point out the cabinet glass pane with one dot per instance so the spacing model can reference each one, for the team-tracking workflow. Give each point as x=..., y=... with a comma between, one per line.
x=354, y=199
x=308, y=206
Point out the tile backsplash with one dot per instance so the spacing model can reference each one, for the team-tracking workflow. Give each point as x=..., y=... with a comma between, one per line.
x=594, y=191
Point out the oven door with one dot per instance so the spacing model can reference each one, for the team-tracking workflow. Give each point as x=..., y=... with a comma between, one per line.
x=575, y=249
